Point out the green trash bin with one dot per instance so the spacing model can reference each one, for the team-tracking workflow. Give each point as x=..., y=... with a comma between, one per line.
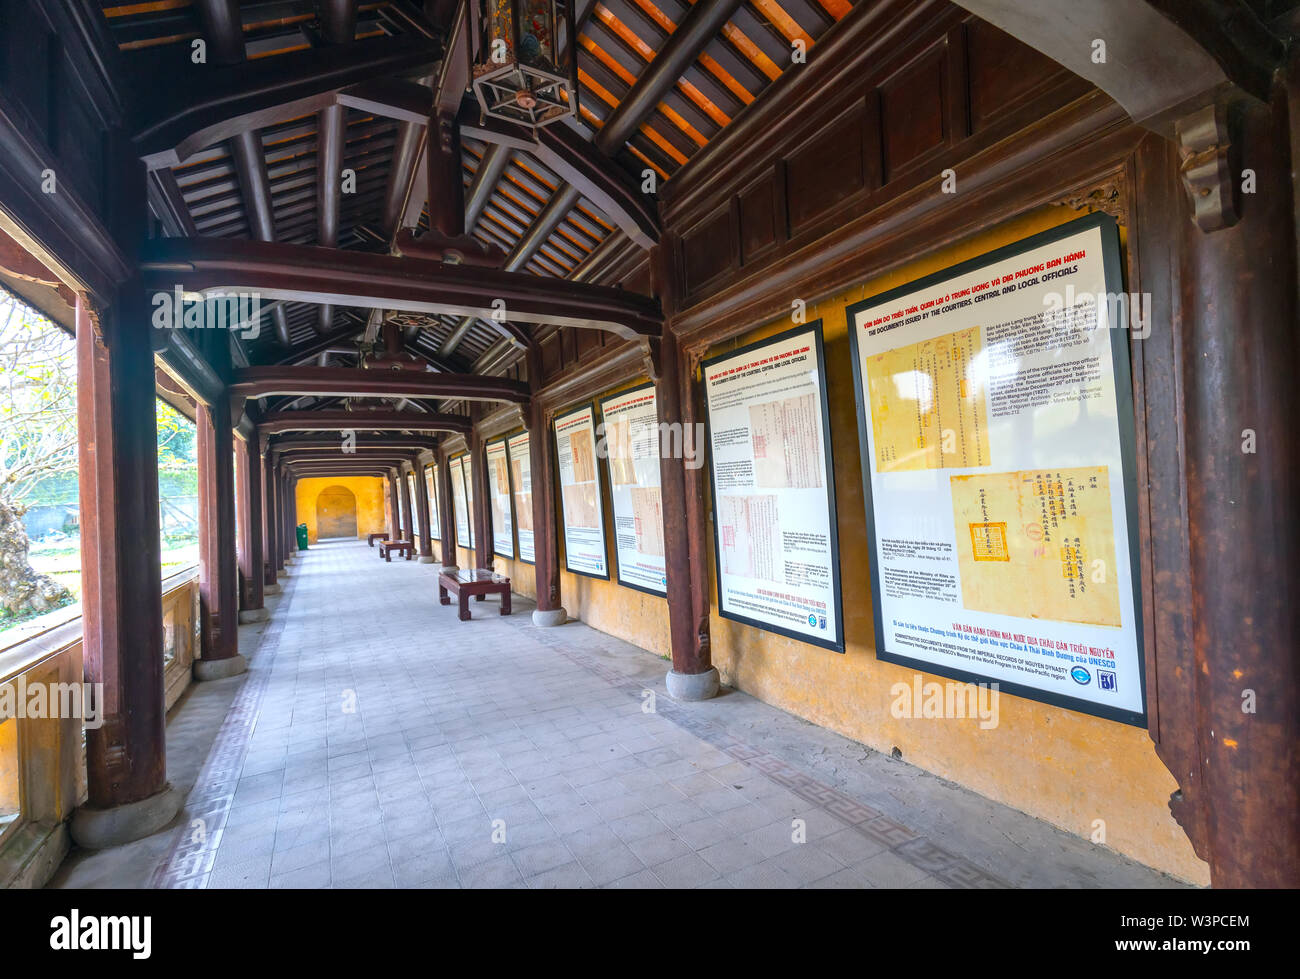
x=302, y=537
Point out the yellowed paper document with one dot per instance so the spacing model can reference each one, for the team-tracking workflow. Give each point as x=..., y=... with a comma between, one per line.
x=1038, y=544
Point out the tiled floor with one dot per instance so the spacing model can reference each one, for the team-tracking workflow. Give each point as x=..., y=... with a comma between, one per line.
x=379, y=742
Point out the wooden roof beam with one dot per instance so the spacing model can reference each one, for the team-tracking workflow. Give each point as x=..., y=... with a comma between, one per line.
x=179, y=120
x=581, y=165
x=304, y=273
x=277, y=422
x=349, y=382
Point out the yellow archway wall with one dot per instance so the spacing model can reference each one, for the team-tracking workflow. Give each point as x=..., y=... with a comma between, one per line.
x=369, y=491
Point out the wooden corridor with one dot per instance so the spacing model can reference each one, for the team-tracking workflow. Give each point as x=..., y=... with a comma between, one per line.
x=458, y=725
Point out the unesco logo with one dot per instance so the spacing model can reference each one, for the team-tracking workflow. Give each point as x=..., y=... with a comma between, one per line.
x=1081, y=675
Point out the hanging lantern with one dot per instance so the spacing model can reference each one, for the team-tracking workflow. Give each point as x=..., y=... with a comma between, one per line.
x=524, y=65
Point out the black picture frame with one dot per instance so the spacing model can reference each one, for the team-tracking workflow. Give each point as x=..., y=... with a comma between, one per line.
x=487, y=448
x=618, y=568
x=1112, y=267
x=555, y=443
x=430, y=483
x=513, y=509
x=815, y=328
x=458, y=461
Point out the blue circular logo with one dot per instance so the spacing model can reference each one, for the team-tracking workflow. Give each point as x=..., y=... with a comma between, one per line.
x=1081, y=675
x=812, y=619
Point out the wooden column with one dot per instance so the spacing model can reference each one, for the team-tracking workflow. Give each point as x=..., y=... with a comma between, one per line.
x=546, y=567
x=218, y=589
x=1235, y=747
x=395, y=513
x=404, y=496
x=121, y=575
x=682, y=494
x=248, y=480
x=290, y=521
x=422, y=511
x=269, y=539
x=446, y=520
x=482, y=530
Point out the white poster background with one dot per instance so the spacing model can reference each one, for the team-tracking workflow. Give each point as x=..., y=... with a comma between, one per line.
x=467, y=464
x=1006, y=299
x=631, y=435
x=463, y=537
x=431, y=493
x=521, y=484
x=580, y=497
x=774, y=528
x=503, y=536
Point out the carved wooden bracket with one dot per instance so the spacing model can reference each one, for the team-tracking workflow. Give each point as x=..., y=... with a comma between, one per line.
x=651, y=357
x=1205, y=151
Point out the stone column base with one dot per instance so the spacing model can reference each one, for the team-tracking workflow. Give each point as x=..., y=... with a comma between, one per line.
x=549, y=617
x=219, y=669
x=449, y=569
x=99, y=828
x=254, y=614
x=271, y=589
x=427, y=559
x=693, y=686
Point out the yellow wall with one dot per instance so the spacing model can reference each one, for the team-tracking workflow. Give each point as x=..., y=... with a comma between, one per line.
x=626, y=613
x=1067, y=768
x=370, y=491
x=1061, y=766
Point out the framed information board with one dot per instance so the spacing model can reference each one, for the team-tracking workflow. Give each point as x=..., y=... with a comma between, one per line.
x=431, y=494
x=503, y=534
x=995, y=415
x=774, y=533
x=521, y=487
x=580, y=498
x=464, y=524
x=630, y=434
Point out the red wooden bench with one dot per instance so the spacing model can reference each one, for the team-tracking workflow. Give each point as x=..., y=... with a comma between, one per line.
x=387, y=547
x=371, y=538
x=478, y=582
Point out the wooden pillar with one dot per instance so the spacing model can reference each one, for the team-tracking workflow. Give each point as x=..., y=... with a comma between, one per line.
x=446, y=519
x=394, y=509
x=269, y=540
x=404, y=497
x=541, y=461
x=482, y=529
x=422, y=511
x=121, y=568
x=682, y=497
x=248, y=501
x=218, y=589
x=290, y=514
x=1233, y=310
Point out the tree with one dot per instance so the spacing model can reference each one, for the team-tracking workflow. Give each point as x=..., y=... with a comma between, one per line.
x=38, y=439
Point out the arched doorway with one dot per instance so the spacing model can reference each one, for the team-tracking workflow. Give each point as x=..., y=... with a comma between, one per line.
x=336, y=513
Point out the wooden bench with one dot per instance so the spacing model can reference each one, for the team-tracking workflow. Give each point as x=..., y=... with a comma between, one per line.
x=371, y=538
x=387, y=547
x=478, y=582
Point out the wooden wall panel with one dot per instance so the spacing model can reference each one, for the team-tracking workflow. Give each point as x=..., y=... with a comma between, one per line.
x=833, y=165
x=711, y=248
x=1003, y=72
x=759, y=216
x=914, y=111
x=888, y=119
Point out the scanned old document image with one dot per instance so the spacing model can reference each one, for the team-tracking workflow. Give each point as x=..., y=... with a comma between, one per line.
x=786, y=439
x=1038, y=544
x=748, y=535
x=927, y=409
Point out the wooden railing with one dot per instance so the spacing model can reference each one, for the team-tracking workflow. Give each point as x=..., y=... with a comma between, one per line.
x=43, y=758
